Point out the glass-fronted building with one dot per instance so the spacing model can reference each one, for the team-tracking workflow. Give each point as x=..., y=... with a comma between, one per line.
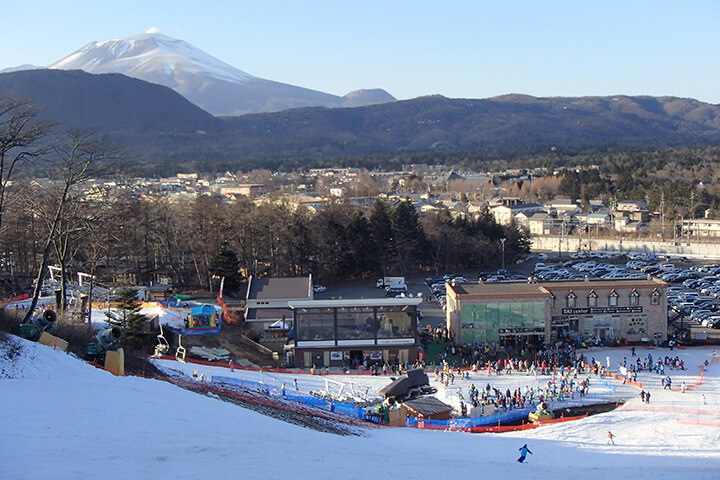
x=354, y=332
x=510, y=313
x=521, y=313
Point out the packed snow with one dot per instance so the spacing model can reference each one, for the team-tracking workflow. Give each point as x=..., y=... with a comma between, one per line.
x=64, y=419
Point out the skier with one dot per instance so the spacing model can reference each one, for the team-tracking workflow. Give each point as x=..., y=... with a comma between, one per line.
x=610, y=438
x=524, y=450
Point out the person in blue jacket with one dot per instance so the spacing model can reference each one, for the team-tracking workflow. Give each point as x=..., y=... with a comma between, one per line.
x=524, y=450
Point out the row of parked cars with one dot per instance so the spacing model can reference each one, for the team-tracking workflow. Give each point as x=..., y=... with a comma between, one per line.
x=576, y=270
x=694, y=291
x=438, y=288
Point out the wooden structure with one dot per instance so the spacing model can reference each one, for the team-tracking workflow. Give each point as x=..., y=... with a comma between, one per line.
x=428, y=408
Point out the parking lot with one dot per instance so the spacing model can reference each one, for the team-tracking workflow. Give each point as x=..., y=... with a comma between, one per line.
x=693, y=287
x=432, y=311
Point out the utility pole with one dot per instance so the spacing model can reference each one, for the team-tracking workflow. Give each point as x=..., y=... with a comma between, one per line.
x=662, y=214
x=502, y=242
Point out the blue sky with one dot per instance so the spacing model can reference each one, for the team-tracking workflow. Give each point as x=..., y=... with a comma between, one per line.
x=472, y=49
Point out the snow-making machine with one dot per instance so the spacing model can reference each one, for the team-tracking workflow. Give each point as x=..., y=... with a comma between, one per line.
x=43, y=322
x=107, y=339
x=106, y=351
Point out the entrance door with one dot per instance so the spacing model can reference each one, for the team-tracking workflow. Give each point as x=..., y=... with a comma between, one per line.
x=317, y=359
x=601, y=333
x=356, y=358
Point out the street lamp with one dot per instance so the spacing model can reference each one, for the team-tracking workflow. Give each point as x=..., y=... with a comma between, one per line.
x=502, y=242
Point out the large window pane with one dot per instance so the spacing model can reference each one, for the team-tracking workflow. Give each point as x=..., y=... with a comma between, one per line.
x=355, y=323
x=315, y=324
x=395, y=322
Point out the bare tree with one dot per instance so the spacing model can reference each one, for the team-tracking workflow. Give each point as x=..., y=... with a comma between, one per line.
x=22, y=136
x=73, y=158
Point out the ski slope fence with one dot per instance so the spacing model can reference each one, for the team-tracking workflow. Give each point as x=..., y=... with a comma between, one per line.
x=715, y=359
x=698, y=421
x=287, y=393
x=466, y=424
x=259, y=397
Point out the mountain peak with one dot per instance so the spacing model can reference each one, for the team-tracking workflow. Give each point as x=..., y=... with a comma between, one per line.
x=209, y=83
x=369, y=96
x=153, y=57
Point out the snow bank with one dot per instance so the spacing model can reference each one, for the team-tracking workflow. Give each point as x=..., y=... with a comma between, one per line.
x=63, y=419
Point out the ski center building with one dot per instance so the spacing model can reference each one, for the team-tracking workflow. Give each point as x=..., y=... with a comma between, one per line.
x=353, y=332
x=521, y=313
x=267, y=300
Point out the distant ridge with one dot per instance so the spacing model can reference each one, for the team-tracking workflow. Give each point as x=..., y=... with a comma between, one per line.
x=206, y=81
x=153, y=122
x=112, y=102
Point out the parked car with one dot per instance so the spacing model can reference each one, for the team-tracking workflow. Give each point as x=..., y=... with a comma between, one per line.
x=319, y=288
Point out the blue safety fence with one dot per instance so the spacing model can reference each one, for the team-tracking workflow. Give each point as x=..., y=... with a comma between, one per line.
x=459, y=423
x=288, y=393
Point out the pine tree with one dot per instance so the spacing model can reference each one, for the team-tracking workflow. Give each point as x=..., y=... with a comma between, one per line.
x=408, y=235
x=128, y=318
x=381, y=234
x=225, y=263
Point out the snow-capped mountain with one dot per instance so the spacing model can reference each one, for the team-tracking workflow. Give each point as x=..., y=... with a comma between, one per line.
x=212, y=84
x=20, y=68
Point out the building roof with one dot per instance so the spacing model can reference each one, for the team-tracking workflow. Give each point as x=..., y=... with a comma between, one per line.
x=521, y=206
x=602, y=283
x=501, y=289
x=544, y=289
x=356, y=302
x=428, y=407
x=279, y=288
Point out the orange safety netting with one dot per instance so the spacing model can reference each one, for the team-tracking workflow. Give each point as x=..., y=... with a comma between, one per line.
x=698, y=421
x=495, y=428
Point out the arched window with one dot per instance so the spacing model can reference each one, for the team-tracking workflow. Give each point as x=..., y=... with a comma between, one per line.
x=592, y=299
x=613, y=299
x=655, y=297
x=634, y=298
x=571, y=299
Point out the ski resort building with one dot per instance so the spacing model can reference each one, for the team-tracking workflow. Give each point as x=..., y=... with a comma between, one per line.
x=267, y=299
x=355, y=332
x=520, y=313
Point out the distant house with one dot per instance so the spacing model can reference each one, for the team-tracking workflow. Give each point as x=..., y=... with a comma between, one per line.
x=267, y=299
x=426, y=207
x=596, y=205
x=250, y=190
x=631, y=206
x=476, y=208
x=541, y=223
x=599, y=219
x=701, y=228
x=504, y=214
x=626, y=224
x=563, y=205
x=160, y=292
